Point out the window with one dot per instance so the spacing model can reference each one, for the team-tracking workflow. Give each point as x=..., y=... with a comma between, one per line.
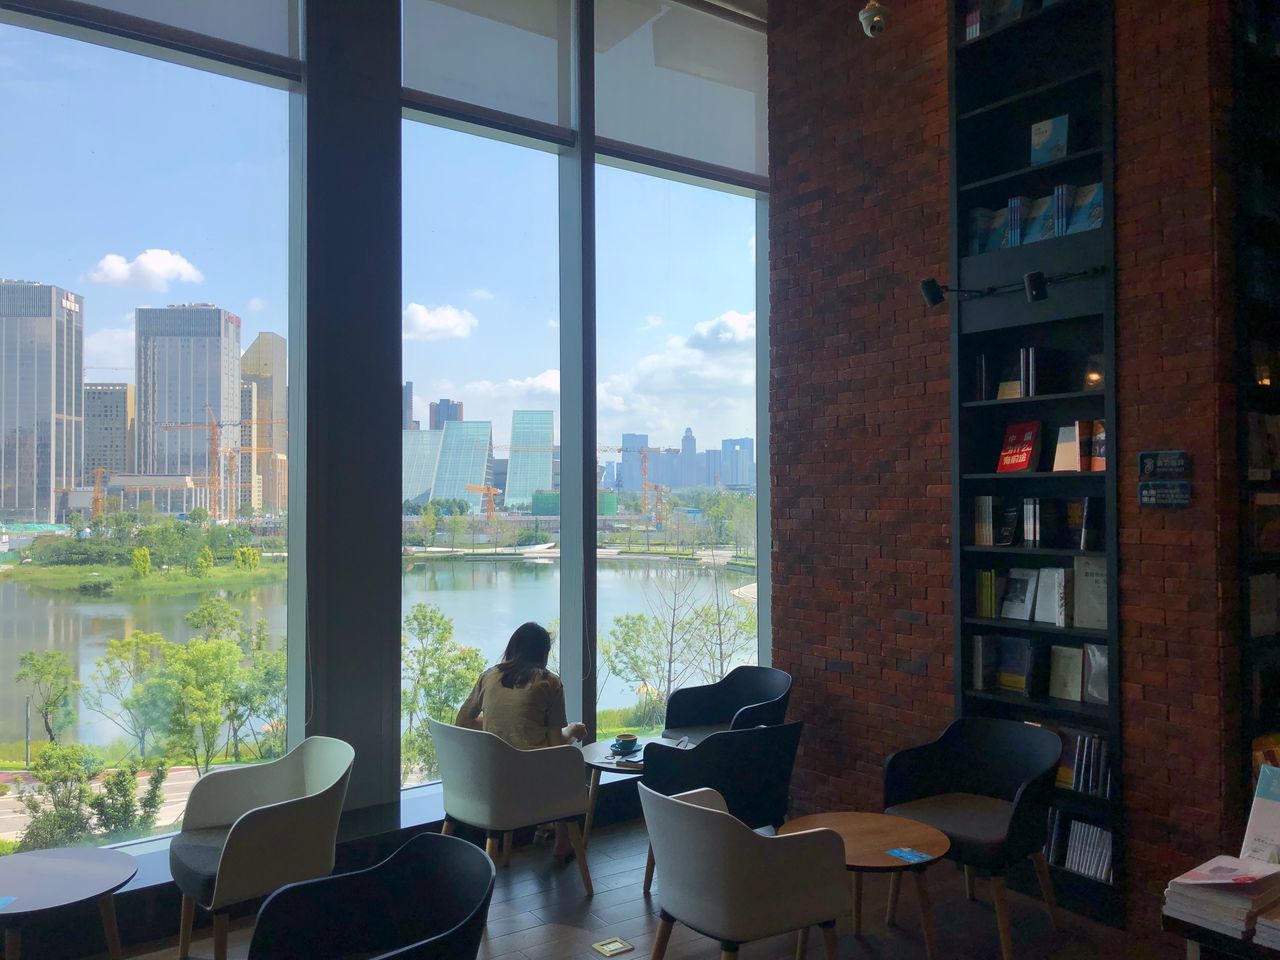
x=676, y=426
x=143, y=427
x=481, y=415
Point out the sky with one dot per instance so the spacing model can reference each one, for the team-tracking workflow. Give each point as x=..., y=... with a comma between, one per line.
x=136, y=182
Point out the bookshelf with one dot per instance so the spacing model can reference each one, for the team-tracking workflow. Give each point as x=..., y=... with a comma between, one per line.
x=1256, y=141
x=1053, y=59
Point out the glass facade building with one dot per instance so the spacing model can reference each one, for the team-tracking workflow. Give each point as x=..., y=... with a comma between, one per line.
x=109, y=413
x=532, y=439
x=466, y=449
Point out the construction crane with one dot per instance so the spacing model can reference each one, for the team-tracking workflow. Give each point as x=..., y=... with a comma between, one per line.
x=489, y=491
x=98, y=503
x=658, y=504
x=645, y=485
x=213, y=479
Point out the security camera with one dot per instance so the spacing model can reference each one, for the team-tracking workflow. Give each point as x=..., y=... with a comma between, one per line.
x=874, y=17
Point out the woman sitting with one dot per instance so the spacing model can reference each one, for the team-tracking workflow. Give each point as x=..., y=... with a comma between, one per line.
x=521, y=701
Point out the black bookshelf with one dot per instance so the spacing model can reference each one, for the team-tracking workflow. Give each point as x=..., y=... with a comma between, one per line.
x=1256, y=123
x=1055, y=58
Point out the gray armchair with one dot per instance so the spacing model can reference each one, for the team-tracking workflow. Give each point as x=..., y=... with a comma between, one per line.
x=745, y=697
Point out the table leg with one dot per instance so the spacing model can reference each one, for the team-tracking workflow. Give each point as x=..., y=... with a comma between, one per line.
x=802, y=943
x=1193, y=950
x=891, y=908
x=591, y=806
x=857, y=903
x=12, y=943
x=107, y=907
x=926, y=913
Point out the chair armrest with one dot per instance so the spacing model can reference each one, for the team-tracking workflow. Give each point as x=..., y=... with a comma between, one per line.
x=697, y=707
x=915, y=772
x=536, y=786
x=770, y=713
x=1028, y=824
x=704, y=797
x=221, y=797
x=781, y=883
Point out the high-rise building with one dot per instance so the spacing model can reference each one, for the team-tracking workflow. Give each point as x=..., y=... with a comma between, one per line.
x=738, y=462
x=251, y=449
x=188, y=374
x=688, y=459
x=466, y=447
x=41, y=398
x=109, y=441
x=634, y=447
x=419, y=457
x=266, y=365
x=532, y=436
x=406, y=407
x=709, y=467
x=443, y=411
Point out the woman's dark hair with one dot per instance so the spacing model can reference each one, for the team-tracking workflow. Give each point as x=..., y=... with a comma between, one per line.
x=526, y=655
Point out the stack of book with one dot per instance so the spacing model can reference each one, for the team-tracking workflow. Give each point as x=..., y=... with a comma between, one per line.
x=1068, y=210
x=1073, y=523
x=1084, y=766
x=1266, y=932
x=1080, y=847
x=1064, y=597
x=1225, y=894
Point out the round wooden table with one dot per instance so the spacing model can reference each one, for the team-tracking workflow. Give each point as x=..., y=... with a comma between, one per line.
x=45, y=880
x=868, y=838
x=599, y=756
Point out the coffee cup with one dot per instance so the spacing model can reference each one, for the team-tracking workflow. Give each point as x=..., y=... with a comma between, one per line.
x=625, y=742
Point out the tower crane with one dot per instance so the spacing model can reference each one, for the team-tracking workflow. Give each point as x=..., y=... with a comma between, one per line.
x=489, y=491
x=658, y=503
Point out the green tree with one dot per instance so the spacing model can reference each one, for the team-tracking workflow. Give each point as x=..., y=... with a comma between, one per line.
x=204, y=676
x=456, y=524
x=75, y=521
x=128, y=689
x=438, y=673
x=57, y=806
x=247, y=558
x=198, y=516
x=117, y=810
x=140, y=560
x=204, y=562
x=53, y=686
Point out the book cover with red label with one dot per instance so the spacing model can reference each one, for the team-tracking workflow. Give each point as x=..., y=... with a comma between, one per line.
x=1021, y=450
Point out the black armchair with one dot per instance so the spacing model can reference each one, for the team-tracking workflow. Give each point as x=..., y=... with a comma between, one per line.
x=987, y=784
x=750, y=768
x=427, y=901
x=745, y=697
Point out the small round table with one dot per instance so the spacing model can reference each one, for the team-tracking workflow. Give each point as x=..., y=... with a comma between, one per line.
x=599, y=757
x=867, y=839
x=45, y=880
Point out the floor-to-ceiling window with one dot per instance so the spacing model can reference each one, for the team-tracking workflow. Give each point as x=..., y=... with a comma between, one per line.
x=145, y=317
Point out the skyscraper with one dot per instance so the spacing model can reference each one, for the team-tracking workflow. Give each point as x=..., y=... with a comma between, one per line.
x=738, y=462
x=419, y=457
x=530, y=467
x=442, y=411
x=688, y=459
x=406, y=407
x=188, y=373
x=251, y=448
x=466, y=448
x=634, y=447
x=41, y=398
x=109, y=415
x=266, y=365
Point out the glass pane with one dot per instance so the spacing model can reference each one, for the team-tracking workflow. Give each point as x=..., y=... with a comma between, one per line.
x=685, y=82
x=143, y=447
x=492, y=53
x=270, y=25
x=480, y=486
x=676, y=557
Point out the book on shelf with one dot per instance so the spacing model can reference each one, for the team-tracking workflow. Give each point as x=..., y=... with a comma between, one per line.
x=1265, y=517
x=1098, y=447
x=986, y=662
x=1089, y=608
x=1039, y=222
x=972, y=19
x=1263, y=602
x=1064, y=199
x=979, y=230
x=1041, y=520
x=1095, y=366
x=1013, y=378
x=1078, y=846
x=1015, y=672
x=1073, y=450
x=1021, y=448
x=995, y=521
x=1065, y=776
x=1084, y=767
x=998, y=13
x=989, y=586
x=1087, y=210
x=1053, y=597
x=1007, y=528
x=1097, y=685
x=1081, y=522
x=1019, y=594
x=1066, y=672
x=998, y=233
x=1049, y=140
x=1262, y=832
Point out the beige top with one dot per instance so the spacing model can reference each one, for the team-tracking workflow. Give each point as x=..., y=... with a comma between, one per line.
x=526, y=717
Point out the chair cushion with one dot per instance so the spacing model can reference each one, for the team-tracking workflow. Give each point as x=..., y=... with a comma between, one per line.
x=977, y=826
x=193, y=861
x=695, y=734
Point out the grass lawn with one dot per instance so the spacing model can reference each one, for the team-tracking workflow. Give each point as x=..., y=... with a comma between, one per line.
x=125, y=583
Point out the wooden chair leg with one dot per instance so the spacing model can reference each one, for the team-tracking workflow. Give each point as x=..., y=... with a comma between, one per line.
x=968, y=882
x=580, y=851
x=508, y=841
x=446, y=827
x=891, y=907
x=728, y=951
x=829, y=940
x=220, y=921
x=998, y=896
x=13, y=943
x=802, y=943
x=184, y=930
x=857, y=903
x=1046, y=886
x=665, y=923
x=648, y=870
x=110, y=929
x=491, y=848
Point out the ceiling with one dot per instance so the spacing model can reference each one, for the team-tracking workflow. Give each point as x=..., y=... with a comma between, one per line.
x=752, y=8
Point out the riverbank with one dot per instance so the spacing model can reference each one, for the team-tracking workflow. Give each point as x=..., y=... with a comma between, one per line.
x=104, y=580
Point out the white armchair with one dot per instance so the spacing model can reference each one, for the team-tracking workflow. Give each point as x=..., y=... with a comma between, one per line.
x=720, y=878
x=497, y=788
x=250, y=830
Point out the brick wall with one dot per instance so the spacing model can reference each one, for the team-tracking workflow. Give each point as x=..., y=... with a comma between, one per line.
x=860, y=411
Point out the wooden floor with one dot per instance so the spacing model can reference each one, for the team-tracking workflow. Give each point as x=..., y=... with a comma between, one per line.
x=540, y=913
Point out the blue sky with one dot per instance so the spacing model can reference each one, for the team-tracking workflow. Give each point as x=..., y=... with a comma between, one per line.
x=140, y=183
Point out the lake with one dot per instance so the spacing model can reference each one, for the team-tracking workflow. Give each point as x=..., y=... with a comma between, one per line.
x=486, y=600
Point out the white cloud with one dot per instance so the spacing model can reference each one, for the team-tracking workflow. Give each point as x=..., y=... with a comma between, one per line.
x=480, y=293
x=438, y=323
x=553, y=323
x=153, y=268
x=108, y=354
x=256, y=305
x=545, y=384
x=651, y=321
